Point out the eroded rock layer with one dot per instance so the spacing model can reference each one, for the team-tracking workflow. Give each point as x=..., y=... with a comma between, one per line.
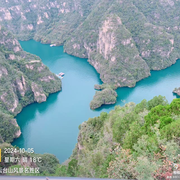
x=24, y=79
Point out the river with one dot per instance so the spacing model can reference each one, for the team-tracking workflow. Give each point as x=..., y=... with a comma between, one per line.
x=52, y=127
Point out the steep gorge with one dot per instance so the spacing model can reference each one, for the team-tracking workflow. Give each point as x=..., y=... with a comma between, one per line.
x=123, y=40
x=24, y=79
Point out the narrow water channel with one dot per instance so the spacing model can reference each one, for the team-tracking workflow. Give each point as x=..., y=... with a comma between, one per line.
x=52, y=127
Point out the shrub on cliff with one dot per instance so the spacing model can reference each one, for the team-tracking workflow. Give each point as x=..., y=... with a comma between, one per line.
x=122, y=125
x=149, y=141
x=171, y=130
x=8, y=128
x=16, y=78
x=157, y=100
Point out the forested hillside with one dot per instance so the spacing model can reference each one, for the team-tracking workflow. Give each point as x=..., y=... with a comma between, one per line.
x=131, y=142
x=123, y=40
x=24, y=79
x=48, y=21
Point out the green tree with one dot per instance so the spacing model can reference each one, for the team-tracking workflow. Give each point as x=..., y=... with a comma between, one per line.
x=157, y=100
x=72, y=167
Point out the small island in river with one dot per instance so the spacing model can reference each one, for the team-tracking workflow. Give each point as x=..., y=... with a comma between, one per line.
x=106, y=96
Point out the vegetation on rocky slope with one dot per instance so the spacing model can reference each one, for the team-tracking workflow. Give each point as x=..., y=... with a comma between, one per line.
x=123, y=40
x=24, y=79
x=48, y=21
x=123, y=44
x=131, y=142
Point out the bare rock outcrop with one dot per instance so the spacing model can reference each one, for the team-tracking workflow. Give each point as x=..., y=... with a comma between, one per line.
x=39, y=95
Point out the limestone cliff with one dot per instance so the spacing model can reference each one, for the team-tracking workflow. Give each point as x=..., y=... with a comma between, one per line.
x=110, y=59
x=122, y=43
x=44, y=20
x=24, y=79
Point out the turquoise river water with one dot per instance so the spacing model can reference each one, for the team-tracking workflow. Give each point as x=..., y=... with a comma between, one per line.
x=52, y=127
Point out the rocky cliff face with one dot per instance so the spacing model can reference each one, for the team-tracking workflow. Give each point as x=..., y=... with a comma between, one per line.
x=24, y=79
x=124, y=41
x=115, y=50
x=49, y=21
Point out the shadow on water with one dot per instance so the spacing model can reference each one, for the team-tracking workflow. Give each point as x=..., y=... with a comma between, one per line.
x=28, y=114
x=176, y=95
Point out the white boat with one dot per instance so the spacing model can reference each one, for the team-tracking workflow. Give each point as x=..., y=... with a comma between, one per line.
x=52, y=45
x=61, y=74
